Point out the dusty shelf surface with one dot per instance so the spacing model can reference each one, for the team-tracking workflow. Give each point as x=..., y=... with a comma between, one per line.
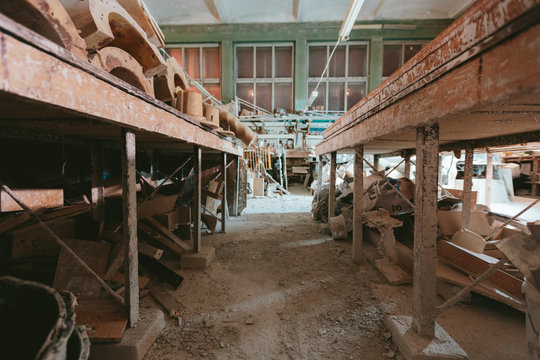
x=306, y=299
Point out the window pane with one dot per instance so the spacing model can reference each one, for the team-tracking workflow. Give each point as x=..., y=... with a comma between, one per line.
x=320, y=100
x=264, y=62
x=244, y=57
x=357, y=60
x=192, y=62
x=336, y=96
x=177, y=54
x=355, y=92
x=337, y=64
x=245, y=92
x=214, y=89
x=283, y=97
x=212, y=63
x=411, y=50
x=264, y=96
x=392, y=59
x=284, y=62
x=317, y=60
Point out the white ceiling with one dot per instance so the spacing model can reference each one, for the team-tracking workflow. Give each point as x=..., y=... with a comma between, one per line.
x=187, y=12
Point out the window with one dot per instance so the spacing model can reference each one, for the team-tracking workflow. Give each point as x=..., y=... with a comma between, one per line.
x=344, y=84
x=397, y=54
x=202, y=63
x=264, y=75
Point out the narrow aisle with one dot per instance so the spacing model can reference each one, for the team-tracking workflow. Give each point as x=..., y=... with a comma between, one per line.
x=279, y=288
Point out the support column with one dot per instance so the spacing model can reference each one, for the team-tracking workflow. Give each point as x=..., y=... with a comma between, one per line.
x=375, y=62
x=425, y=230
x=467, y=187
x=358, y=203
x=224, y=193
x=376, y=158
x=129, y=208
x=489, y=177
x=197, y=159
x=98, y=201
x=407, y=171
x=236, y=186
x=332, y=189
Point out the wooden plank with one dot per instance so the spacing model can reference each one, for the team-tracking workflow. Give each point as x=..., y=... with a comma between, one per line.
x=98, y=199
x=149, y=250
x=28, y=242
x=70, y=275
x=160, y=238
x=358, y=204
x=162, y=270
x=13, y=220
x=33, y=198
x=197, y=163
x=116, y=260
x=156, y=206
x=129, y=211
x=58, y=66
x=489, y=177
x=169, y=234
x=104, y=321
x=393, y=273
x=166, y=299
x=120, y=278
x=210, y=221
x=476, y=264
x=425, y=230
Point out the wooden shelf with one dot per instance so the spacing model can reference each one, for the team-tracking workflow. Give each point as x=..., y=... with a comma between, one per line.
x=46, y=91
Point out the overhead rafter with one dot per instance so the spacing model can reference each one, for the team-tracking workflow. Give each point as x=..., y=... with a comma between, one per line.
x=211, y=5
x=221, y=9
x=296, y=7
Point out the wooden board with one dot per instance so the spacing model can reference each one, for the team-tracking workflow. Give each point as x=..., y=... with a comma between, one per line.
x=156, y=206
x=33, y=198
x=104, y=320
x=393, y=272
x=166, y=299
x=156, y=224
x=28, y=242
x=70, y=275
x=476, y=264
x=162, y=270
x=120, y=278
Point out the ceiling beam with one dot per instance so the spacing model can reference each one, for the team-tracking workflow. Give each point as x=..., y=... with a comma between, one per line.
x=459, y=8
x=211, y=5
x=378, y=9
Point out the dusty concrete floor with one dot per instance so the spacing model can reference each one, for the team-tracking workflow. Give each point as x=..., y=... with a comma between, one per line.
x=280, y=288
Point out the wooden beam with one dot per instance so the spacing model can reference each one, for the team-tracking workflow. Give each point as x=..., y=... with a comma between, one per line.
x=534, y=177
x=425, y=230
x=429, y=88
x=98, y=200
x=62, y=93
x=129, y=209
x=489, y=176
x=407, y=172
x=224, y=192
x=197, y=159
x=236, y=186
x=376, y=158
x=332, y=188
x=467, y=188
x=358, y=204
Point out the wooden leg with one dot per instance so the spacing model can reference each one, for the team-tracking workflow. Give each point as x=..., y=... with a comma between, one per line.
x=534, y=177
x=358, y=203
x=332, y=189
x=197, y=159
x=129, y=201
x=407, y=166
x=467, y=188
x=376, y=158
x=237, y=185
x=98, y=201
x=224, y=193
x=425, y=230
x=489, y=177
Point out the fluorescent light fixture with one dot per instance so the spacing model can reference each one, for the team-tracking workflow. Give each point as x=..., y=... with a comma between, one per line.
x=348, y=23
